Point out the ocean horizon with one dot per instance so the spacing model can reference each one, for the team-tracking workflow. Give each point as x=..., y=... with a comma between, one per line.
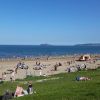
x=13, y=51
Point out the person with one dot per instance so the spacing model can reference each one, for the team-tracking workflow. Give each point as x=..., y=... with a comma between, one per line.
x=1, y=81
x=1, y=97
x=60, y=64
x=68, y=63
x=82, y=78
x=4, y=76
x=16, y=69
x=69, y=70
x=19, y=65
x=7, y=95
x=40, y=72
x=38, y=63
x=30, y=88
x=19, y=91
x=12, y=77
x=55, y=67
x=22, y=65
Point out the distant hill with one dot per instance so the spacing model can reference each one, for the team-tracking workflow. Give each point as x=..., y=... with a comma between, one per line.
x=45, y=45
x=89, y=44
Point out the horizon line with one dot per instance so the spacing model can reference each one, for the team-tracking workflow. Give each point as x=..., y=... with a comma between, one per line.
x=47, y=44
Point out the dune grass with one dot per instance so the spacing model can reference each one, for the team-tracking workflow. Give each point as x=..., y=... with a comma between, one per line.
x=63, y=88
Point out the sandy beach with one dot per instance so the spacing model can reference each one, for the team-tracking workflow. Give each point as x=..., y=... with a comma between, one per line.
x=46, y=64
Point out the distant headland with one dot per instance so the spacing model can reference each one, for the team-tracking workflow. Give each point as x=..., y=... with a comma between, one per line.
x=88, y=44
x=46, y=45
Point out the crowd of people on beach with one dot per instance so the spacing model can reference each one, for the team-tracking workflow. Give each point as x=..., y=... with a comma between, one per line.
x=71, y=67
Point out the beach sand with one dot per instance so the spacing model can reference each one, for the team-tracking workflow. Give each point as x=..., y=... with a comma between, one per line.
x=47, y=66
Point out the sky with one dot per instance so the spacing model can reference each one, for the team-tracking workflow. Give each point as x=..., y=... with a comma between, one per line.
x=59, y=22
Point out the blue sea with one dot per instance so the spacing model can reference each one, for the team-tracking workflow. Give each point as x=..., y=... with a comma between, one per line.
x=10, y=51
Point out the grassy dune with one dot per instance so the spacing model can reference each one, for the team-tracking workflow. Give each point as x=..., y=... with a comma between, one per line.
x=60, y=87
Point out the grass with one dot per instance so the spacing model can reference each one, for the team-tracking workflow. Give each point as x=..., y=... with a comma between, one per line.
x=64, y=88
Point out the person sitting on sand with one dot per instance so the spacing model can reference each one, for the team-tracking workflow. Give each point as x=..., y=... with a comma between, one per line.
x=19, y=65
x=59, y=64
x=82, y=78
x=38, y=63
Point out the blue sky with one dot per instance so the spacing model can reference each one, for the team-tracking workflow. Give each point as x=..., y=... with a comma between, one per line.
x=60, y=22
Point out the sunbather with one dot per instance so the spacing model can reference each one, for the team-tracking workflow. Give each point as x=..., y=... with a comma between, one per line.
x=82, y=78
x=19, y=92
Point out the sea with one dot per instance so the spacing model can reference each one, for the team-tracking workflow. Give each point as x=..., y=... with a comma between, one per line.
x=14, y=51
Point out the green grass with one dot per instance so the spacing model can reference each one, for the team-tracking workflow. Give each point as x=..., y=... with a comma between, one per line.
x=64, y=88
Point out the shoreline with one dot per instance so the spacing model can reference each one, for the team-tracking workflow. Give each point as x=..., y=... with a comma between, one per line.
x=45, y=57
